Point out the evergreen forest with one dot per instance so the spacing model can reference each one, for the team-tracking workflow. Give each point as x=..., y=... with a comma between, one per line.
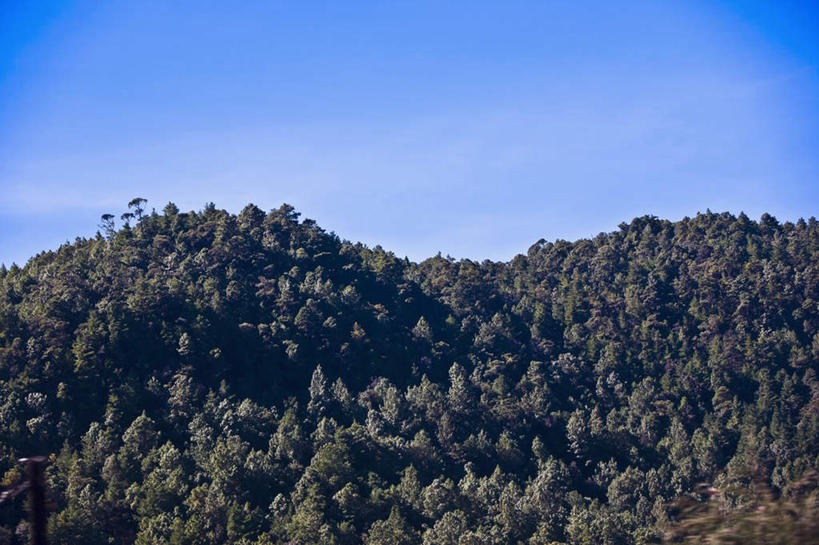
x=205, y=378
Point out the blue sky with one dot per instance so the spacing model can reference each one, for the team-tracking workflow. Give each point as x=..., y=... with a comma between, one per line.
x=469, y=128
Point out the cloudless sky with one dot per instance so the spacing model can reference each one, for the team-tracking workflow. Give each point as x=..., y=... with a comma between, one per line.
x=469, y=128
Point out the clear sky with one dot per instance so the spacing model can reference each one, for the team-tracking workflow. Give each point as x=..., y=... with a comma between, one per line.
x=470, y=128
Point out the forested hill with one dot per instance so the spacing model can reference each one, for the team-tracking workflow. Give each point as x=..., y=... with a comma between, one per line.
x=208, y=378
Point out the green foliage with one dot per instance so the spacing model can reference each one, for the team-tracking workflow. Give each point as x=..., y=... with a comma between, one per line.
x=204, y=378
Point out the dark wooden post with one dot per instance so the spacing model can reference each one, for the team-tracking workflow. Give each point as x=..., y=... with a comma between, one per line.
x=34, y=466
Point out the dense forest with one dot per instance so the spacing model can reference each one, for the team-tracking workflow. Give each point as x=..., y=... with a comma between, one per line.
x=209, y=378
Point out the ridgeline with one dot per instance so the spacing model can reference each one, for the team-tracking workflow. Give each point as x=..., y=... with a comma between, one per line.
x=208, y=378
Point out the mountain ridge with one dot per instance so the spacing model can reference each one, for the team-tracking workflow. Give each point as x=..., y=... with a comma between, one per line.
x=205, y=377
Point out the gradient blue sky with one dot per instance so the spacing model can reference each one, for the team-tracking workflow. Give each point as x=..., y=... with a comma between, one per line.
x=469, y=128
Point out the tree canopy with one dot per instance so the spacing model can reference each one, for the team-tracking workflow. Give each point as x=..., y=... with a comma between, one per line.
x=208, y=378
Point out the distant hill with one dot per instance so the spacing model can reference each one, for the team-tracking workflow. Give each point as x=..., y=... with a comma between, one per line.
x=208, y=378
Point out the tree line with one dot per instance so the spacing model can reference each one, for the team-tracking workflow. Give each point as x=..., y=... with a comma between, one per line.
x=208, y=378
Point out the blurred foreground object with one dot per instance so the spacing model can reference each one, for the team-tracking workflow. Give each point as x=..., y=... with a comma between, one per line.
x=743, y=516
x=34, y=468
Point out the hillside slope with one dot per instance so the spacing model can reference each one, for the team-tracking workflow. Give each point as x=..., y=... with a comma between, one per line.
x=208, y=378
